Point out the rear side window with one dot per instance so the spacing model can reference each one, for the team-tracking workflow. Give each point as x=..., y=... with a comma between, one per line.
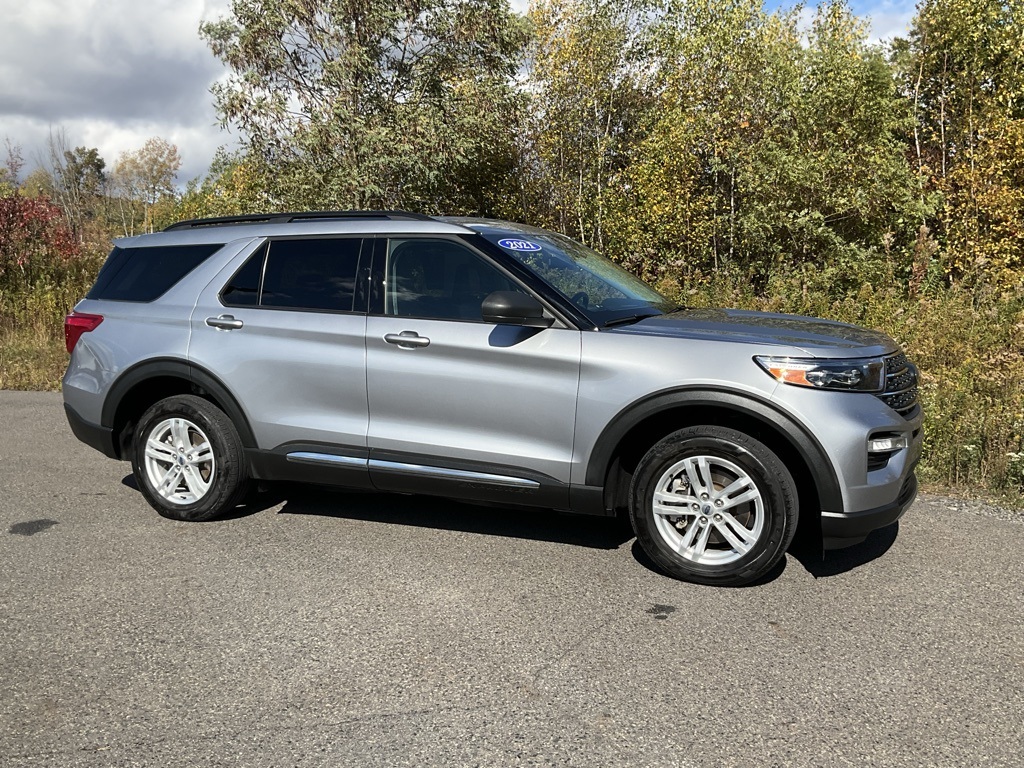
x=144, y=274
x=314, y=274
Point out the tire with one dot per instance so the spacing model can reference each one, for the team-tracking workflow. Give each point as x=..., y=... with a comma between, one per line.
x=737, y=506
x=182, y=484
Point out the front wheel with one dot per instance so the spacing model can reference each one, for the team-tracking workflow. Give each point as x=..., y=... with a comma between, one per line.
x=188, y=459
x=714, y=506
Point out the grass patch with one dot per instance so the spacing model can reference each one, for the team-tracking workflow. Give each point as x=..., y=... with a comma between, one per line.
x=30, y=362
x=32, y=353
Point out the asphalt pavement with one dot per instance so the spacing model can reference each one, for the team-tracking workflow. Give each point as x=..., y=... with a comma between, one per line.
x=348, y=629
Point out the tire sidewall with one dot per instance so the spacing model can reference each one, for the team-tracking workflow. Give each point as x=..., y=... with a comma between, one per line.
x=769, y=475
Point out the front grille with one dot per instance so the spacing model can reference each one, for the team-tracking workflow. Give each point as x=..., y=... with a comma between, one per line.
x=900, y=385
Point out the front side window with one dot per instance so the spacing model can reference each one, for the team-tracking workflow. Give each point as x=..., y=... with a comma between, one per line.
x=438, y=279
x=311, y=274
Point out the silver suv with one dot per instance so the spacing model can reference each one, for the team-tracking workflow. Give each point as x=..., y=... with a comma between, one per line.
x=487, y=361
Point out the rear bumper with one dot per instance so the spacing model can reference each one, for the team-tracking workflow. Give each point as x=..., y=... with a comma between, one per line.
x=94, y=435
x=844, y=529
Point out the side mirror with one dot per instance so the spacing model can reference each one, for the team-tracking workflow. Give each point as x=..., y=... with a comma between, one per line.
x=514, y=308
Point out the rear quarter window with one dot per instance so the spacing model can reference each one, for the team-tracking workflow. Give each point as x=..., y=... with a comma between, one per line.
x=145, y=274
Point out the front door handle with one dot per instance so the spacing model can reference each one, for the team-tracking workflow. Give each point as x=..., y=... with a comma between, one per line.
x=407, y=339
x=225, y=322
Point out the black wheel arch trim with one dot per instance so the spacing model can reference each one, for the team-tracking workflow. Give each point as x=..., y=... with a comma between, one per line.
x=744, y=403
x=181, y=369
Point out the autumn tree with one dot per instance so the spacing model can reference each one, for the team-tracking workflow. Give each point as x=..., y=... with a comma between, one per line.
x=143, y=185
x=364, y=104
x=233, y=185
x=37, y=183
x=770, y=148
x=963, y=69
x=78, y=179
x=36, y=245
x=589, y=80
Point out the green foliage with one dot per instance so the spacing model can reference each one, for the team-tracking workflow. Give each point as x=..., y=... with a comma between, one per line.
x=590, y=93
x=969, y=346
x=234, y=185
x=774, y=151
x=962, y=68
x=364, y=104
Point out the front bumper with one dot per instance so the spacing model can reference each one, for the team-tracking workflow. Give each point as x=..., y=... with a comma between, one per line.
x=844, y=529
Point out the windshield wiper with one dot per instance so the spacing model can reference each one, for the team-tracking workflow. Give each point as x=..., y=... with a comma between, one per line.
x=630, y=319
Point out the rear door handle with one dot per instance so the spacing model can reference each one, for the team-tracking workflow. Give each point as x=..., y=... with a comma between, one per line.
x=407, y=339
x=225, y=322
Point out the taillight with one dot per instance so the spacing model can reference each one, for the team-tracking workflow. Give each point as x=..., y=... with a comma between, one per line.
x=76, y=324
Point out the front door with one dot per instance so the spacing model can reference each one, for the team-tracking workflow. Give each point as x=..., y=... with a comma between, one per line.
x=458, y=406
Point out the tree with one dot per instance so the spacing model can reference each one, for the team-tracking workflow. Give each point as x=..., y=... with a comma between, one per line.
x=365, y=103
x=10, y=173
x=144, y=180
x=963, y=68
x=768, y=149
x=78, y=180
x=232, y=186
x=588, y=80
x=35, y=243
x=38, y=183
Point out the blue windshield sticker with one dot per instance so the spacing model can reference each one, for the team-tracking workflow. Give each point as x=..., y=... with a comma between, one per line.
x=514, y=244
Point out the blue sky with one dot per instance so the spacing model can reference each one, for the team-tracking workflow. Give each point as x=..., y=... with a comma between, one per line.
x=113, y=73
x=889, y=18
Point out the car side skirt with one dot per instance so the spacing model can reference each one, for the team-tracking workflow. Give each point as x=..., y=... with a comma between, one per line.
x=354, y=467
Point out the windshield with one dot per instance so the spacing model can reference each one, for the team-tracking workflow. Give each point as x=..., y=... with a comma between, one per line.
x=602, y=289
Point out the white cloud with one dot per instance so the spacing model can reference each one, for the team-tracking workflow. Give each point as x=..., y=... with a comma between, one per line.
x=112, y=73
x=888, y=22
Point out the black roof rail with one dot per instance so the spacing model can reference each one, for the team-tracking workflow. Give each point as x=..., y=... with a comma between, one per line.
x=286, y=218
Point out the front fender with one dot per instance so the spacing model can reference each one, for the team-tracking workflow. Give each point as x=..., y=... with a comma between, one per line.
x=742, y=404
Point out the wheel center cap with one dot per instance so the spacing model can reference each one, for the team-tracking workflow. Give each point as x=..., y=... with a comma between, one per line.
x=706, y=509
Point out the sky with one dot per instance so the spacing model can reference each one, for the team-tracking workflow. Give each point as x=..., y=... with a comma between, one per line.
x=113, y=73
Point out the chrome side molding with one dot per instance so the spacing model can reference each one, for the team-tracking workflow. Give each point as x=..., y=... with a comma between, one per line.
x=416, y=470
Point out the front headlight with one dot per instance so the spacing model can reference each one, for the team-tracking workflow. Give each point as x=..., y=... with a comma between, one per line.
x=866, y=374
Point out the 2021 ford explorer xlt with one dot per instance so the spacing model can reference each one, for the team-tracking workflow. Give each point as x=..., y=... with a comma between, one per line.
x=487, y=361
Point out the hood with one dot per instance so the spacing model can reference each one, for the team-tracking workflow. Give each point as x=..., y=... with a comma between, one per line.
x=816, y=337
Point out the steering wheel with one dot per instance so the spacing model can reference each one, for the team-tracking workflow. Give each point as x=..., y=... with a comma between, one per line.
x=581, y=299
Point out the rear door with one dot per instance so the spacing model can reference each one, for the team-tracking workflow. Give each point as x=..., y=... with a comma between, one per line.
x=283, y=329
x=458, y=406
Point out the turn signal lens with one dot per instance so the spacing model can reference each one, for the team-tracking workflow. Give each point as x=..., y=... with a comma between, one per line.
x=856, y=375
x=76, y=324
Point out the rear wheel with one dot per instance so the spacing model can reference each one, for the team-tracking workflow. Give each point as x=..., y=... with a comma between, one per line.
x=188, y=460
x=713, y=505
